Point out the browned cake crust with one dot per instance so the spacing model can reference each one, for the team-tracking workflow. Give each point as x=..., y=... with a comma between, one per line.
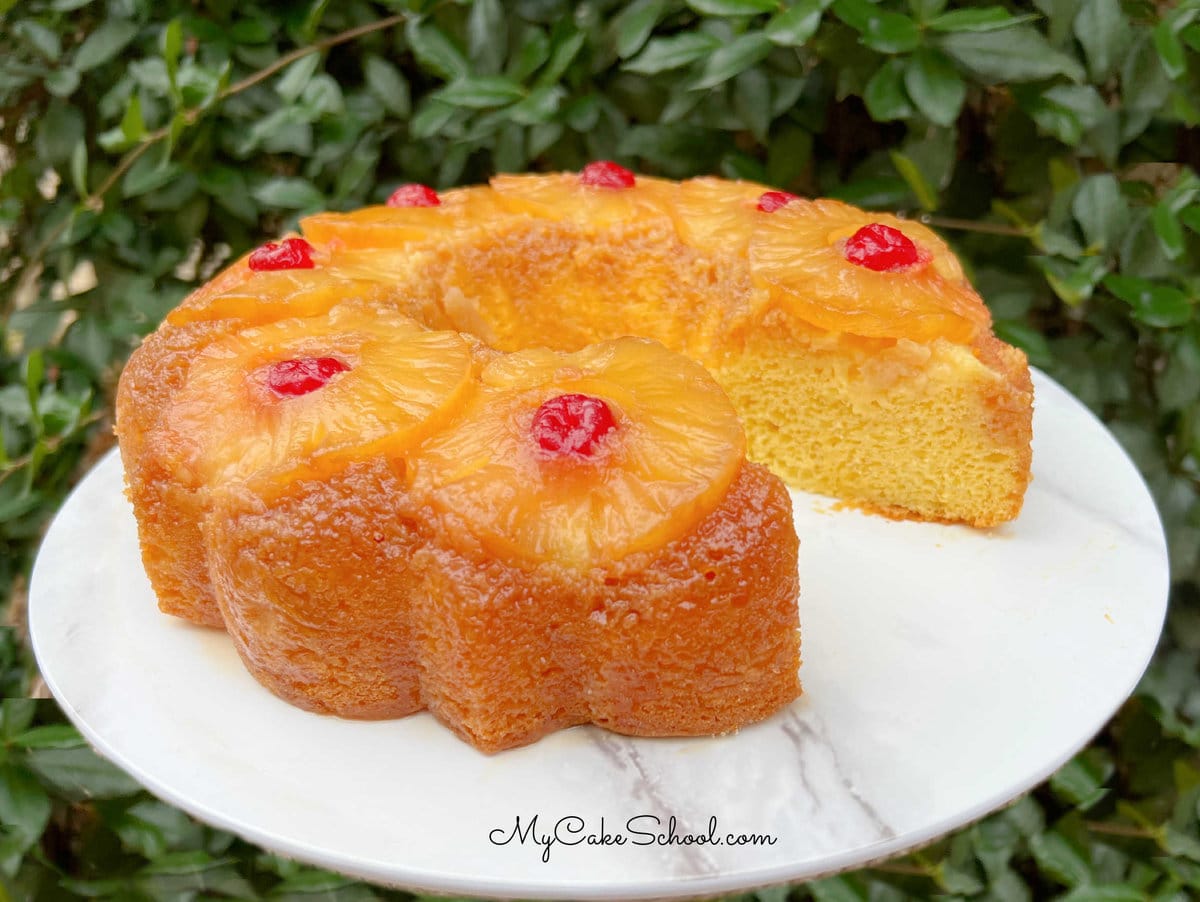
x=315, y=583
x=341, y=598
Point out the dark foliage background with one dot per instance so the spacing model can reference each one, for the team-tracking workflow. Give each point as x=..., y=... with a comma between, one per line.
x=1055, y=144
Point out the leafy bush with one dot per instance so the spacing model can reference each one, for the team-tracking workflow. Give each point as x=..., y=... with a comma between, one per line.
x=142, y=144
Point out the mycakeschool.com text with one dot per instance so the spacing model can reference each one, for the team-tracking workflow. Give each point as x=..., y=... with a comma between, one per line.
x=639, y=830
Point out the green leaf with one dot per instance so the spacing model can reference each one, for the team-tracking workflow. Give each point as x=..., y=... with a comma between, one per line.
x=1191, y=218
x=387, y=85
x=133, y=126
x=312, y=886
x=1110, y=892
x=925, y=193
x=733, y=7
x=1014, y=54
x=172, y=46
x=184, y=874
x=59, y=130
x=1065, y=111
x=752, y=100
x=289, y=194
x=55, y=736
x=487, y=36
x=935, y=86
x=104, y=43
x=1100, y=210
x=1081, y=780
x=663, y=54
x=788, y=154
x=1058, y=857
x=530, y=56
x=322, y=96
x=565, y=45
x=227, y=186
x=295, y=78
x=981, y=18
x=1169, y=231
x=16, y=714
x=633, y=26
x=62, y=82
x=79, y=773
x=24, y=805
x=795, y=25
x=435, y=51
x=79, y=169
x=925, y=10
x=1073, y=282
x=884, y=94
x=1179, y=843
x=1170, y=50
x=1103, y=32
x=42, y=39
x=138, y=836
x=539, y=106
x=151, y=171
x=1153, y=303
x=881, y=30
x=480, y=92
x=431, y=119
x=733, y=58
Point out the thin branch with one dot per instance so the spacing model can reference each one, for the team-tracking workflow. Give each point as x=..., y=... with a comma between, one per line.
x=1121, y=830
x=970, y=225
x=95, y=200
x=288, y=58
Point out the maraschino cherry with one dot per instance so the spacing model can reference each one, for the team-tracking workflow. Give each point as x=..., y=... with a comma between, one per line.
x=414, y=195
x=572, y=424
x=290, y=253
x=881, y=248
x=606, y=174
x=773, y=200
x=301, y=375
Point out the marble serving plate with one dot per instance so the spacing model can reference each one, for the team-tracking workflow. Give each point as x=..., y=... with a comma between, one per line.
x=946, y=671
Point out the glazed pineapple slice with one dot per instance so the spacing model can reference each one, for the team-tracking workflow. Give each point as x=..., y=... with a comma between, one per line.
x=602, y=194
x=265, y=297
x=300, y=395
x=868, y=274
x=712, y=214
x=414, y=213
x=584, y=457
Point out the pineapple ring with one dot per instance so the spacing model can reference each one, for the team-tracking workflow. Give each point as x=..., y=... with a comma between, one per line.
x=400, y=383
x=676, y=448
x=265, y=297
x=796, y=254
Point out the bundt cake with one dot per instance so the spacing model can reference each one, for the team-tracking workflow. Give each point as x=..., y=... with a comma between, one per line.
x=412, y=459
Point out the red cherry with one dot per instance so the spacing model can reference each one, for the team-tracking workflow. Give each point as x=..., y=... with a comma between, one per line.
x=414, y=195
x=291, y=253
x=881, y=248
x=303, y=374
x=606, y=174
x=773, y=200
x=572, y=424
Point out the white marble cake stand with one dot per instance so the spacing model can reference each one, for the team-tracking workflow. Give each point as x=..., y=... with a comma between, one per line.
x=946, y=672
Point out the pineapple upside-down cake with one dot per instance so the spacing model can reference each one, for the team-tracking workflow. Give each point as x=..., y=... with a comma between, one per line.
x=485, y=451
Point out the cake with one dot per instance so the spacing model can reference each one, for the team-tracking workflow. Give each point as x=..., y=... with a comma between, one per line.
x=859, y=359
